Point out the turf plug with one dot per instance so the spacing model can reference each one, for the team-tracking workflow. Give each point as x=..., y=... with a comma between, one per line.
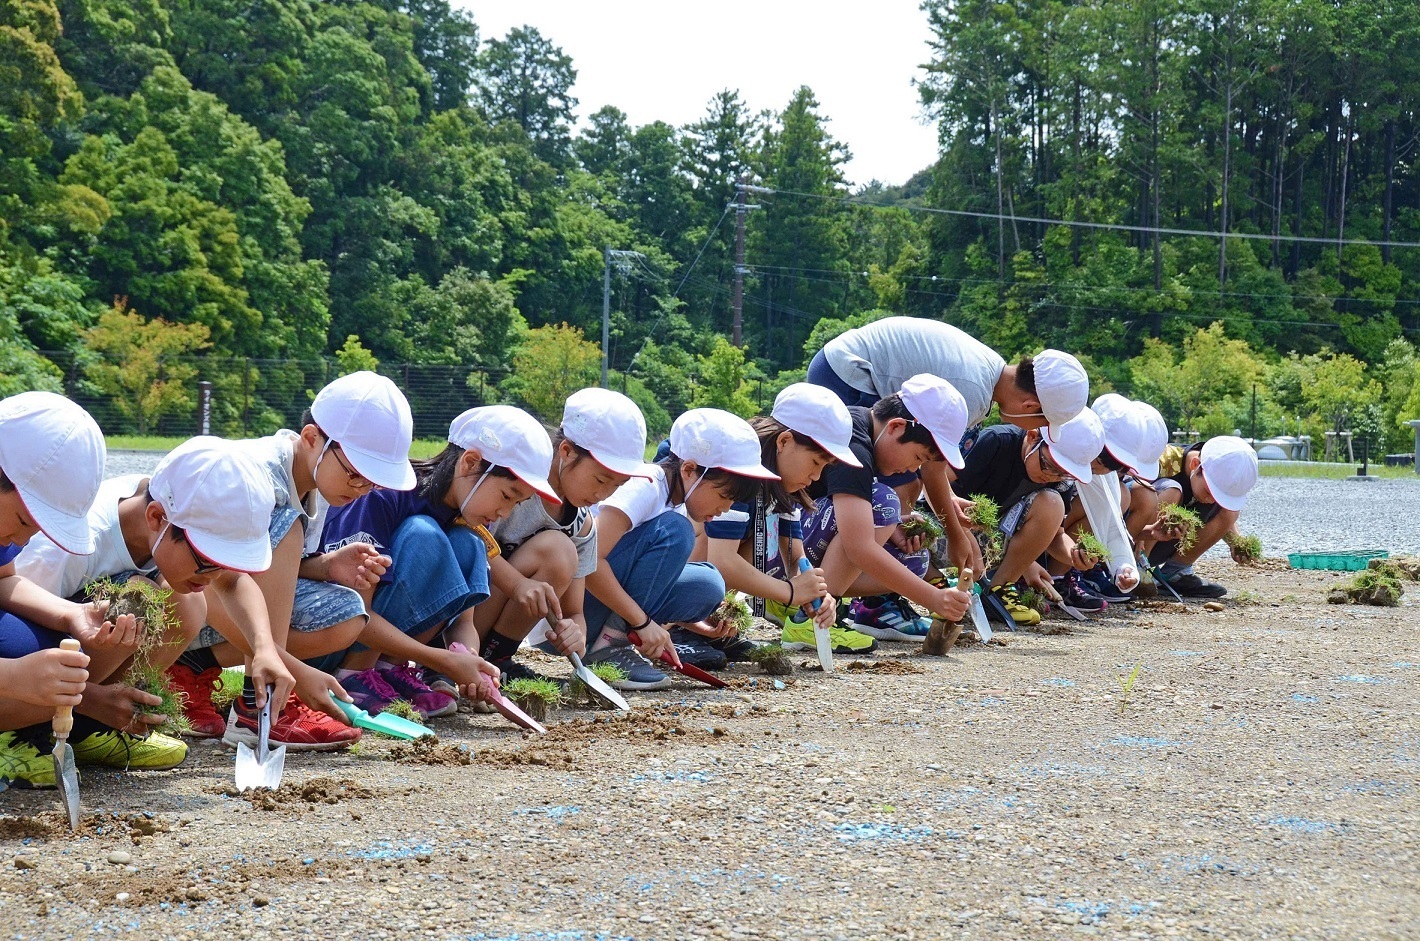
x=404, y=709
x=772, y=659
x=579, y=693
x=923, y=522
x=149, y=604
x=1091, y=546
x=1379, y=585
x=985, y=518
x=535, y=697
x=1180, y=524
x=733, y=610
x=1247, y=550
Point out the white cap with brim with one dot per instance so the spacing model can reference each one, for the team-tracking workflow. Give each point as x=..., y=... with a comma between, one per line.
x=221, y=499
x=714, y=438
x=53, y=452
x=609, y=427
x=1155, y=442
x=508, y=437
x=1078, y=443
x=1230, y=470
x=1061, y=385
x=937, y=405
x=819, y=414
x=1127, y=434
x=367, y=415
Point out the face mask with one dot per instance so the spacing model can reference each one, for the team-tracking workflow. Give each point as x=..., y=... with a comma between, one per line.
x=476, y=484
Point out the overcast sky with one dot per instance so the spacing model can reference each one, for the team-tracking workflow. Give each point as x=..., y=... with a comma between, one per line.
x=664, y=59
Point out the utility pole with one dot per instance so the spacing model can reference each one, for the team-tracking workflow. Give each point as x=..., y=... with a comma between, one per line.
x=738, y=295
x=622, y=259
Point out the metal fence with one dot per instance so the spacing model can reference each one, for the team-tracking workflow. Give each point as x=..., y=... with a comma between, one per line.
x=251, y=397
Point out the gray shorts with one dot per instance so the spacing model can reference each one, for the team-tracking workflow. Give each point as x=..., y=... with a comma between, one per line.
x=319, y=605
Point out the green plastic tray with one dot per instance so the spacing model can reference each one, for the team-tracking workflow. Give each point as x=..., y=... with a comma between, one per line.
x=1335, y=561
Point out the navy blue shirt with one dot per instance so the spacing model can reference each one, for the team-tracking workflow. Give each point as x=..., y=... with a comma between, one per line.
x=8, y=552
x=373, y=519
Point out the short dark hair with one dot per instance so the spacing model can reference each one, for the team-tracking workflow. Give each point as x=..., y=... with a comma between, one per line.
x=1025, y=375
x=560, y=436
x=434, y=477
x=885, y=410
x=5, y=485
x=738, y=488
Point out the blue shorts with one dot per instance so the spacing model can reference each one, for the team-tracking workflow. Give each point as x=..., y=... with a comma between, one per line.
x=319, y=605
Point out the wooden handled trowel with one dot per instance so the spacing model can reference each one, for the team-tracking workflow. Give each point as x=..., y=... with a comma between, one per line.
x=66, y=775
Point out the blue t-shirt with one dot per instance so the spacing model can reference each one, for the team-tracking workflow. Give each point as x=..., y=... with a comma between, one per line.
x=373, y=519
x=8, y=552
x=735, y=524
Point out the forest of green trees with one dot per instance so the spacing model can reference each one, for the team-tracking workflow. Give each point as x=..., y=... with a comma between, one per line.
x=1200, y=197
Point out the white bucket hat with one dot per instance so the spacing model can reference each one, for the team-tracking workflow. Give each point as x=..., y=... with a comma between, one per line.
x=609, y=427
x=508, y=437
x=714, y=438
x=937, y=405
x=816, y=412
x=53, y=452
x=367, y=415
x=1078, y=443
x=220, y=498
x=1230, y=469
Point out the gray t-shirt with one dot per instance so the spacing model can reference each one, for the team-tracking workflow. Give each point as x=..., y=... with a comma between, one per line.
x=531, y=517
x=880, y=357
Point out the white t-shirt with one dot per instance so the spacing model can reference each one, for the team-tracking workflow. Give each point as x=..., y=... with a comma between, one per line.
x=643, y=499
x=62, y=573
x=879, y=357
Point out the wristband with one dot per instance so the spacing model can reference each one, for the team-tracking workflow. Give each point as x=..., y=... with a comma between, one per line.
x=791, y=592
x=642, y=624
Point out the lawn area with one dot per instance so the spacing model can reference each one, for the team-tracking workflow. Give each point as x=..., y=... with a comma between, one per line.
x=1317, y=470
x=422, y=448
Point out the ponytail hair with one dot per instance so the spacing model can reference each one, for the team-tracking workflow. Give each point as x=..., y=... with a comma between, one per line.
x=778, y=499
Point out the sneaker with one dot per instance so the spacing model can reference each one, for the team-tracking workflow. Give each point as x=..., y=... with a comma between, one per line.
x=776, y=612
x=640, y=673
x=23, y=765
x=736, y=648
x=697, y=651
x=370, y=690
x=297, y=727
x=409, y=682
x=157, y=752
x=894, y=619
x=1073, y=590
x=196, y=692
x=1098, y=582
x=1021, y=614
x=845, y=640
x=440, y=683
x=1191, y=586
x=513, y=670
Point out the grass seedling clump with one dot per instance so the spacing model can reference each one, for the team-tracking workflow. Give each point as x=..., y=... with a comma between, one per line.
x=923, y=522
x=772, y=659
x=733, y=610
x=405, y=710
x=985, y=517
x=1033, y=599
x=149, y=604
x=1091, y=546
x=1246, y=549
x=1379, y=586
x=608, y=673
x=1179, y=523
x=533, y=696
x=230, y=689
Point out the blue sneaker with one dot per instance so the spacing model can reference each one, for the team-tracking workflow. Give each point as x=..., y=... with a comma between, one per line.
x=640, y=674
x=1098, y=582
x=893, y=619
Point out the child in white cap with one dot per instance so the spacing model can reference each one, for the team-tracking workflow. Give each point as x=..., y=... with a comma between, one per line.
x=644, y=579
x=1214, y=482
x=354, y=438
x=806, y=432
x=1028, y=474
x=853, y=532
x=548, y=548
x=198, y=527
x=437, y=540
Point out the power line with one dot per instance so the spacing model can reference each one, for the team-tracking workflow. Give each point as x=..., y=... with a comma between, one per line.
x=676, y=293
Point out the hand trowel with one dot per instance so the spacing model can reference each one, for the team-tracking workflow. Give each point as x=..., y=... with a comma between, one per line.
x=66, y=775
x=263, y=767
x=822, y=638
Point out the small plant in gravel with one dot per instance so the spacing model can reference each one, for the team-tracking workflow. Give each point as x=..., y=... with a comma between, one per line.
x=923, y=522
x=1033, y=599
x=1246, y=549
x=772, y=659
x=404, y=709
x=733, y=610
x=149, y=604
x=1375, y=586
x=533, y=696
x=1180, y=524
x=608, y=673
x=1126, y=686
x=1091, y=546
x=985, y=518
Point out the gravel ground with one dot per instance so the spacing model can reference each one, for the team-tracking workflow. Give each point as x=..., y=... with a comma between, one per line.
x=1258, y=779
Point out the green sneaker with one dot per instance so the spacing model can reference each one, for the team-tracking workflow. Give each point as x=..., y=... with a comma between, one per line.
x=777, y=613
x=845, y=640
x=23, y=765
x=157, y=752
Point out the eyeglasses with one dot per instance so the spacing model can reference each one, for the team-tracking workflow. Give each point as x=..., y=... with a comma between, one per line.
x=203, y=568
x=1047, y=463
x=356, y=480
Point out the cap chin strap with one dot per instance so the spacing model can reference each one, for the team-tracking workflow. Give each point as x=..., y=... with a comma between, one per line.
x=1006, y=414
x=686, y=498
x=909, y=422
x=476, y=484
x=315, y=473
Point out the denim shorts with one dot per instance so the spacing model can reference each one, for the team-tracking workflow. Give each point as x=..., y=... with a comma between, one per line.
x=319, y=605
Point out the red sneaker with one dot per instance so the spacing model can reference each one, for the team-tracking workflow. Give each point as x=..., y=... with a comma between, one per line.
x=196, y=691
x=297, y=727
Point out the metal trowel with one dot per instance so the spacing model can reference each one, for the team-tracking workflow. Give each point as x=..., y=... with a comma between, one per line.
x=263, y=767
x=66, y=775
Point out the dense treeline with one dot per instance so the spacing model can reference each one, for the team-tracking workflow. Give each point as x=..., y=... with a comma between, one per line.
x=278, y=177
